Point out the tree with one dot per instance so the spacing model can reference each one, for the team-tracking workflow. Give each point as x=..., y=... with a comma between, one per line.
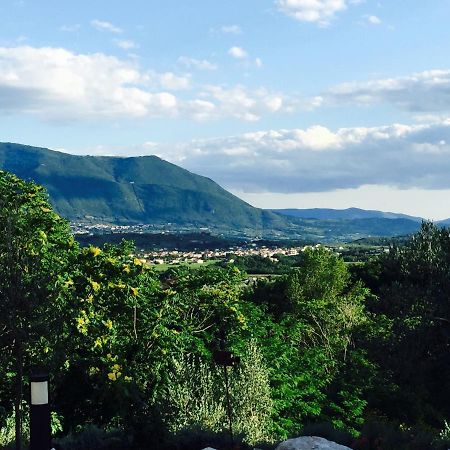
x=35, y=247
x=412, y=283
x=324, y=302
x=313, y=346
x=111, y=301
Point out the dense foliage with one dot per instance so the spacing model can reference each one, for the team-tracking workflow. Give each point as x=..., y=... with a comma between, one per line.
x=360, y=355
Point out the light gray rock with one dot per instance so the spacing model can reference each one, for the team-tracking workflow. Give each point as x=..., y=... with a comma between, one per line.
x=310, y=443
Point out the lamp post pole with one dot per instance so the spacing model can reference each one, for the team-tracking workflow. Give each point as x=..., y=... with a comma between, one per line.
x=40, y=431
x=226, y=359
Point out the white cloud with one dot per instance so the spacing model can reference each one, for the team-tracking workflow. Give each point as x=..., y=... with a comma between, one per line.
x=168, y=80
x=237, y=52
x=374, y=20
x=200, y=64
x=201, y=110
x=321, y=12
x=242, y=103
x=125, y=44
x=242, y=55
x=420, y=92
x=237, y=102
x=102, y=25
x=317, y=138
x=430, y=118
x=318, y=159
x=58, y=85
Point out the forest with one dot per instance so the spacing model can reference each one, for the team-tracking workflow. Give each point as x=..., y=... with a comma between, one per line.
x=356, y=353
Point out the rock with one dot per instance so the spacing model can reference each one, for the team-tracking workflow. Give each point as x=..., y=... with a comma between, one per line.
x=310, y=443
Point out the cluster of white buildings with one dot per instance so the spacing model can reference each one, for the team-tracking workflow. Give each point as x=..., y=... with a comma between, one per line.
x=199, y=257
x=101, y=228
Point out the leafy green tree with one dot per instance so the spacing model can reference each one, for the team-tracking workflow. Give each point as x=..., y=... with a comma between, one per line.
x=325, y=304
x=313, y=347
x=35, y=247
x=203, y=303
x=112, y=304
x=412, y=284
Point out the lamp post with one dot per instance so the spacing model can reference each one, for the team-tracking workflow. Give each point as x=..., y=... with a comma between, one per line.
x=40, y=431
x=226, y=359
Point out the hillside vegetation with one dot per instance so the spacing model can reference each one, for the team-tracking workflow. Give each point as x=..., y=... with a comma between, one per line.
x=132, y=190
x=148, y=190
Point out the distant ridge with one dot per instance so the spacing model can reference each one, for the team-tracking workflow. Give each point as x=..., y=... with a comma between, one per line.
x=143, y=189
x=149, y=190
x=349, y=213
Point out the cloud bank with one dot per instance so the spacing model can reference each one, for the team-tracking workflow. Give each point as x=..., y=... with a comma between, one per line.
x=318, y=159
x=57, y=84
x=419, y=92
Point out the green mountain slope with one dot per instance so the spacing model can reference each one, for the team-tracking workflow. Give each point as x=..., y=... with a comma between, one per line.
x=133, y=190
x=149, y=190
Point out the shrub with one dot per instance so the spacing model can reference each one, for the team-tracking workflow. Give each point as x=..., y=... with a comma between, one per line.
x=194, y=397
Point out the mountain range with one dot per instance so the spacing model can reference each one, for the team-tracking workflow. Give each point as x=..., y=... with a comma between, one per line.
x=149, y=190
x=348, y=214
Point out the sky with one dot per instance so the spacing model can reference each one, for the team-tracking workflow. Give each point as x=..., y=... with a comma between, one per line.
x=286, y=103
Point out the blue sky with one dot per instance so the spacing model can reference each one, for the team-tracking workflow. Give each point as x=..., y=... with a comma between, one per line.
x=287, y=103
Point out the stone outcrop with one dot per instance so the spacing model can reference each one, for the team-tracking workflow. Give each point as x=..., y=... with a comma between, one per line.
x=310, y=443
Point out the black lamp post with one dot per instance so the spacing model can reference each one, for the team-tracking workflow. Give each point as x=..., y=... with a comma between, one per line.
x=40, y=430
x=226, y=359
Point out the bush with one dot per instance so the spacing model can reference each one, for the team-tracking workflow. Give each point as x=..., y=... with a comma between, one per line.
x=194, y=397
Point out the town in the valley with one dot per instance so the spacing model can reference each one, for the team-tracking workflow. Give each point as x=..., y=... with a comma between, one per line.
x=168, y=254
